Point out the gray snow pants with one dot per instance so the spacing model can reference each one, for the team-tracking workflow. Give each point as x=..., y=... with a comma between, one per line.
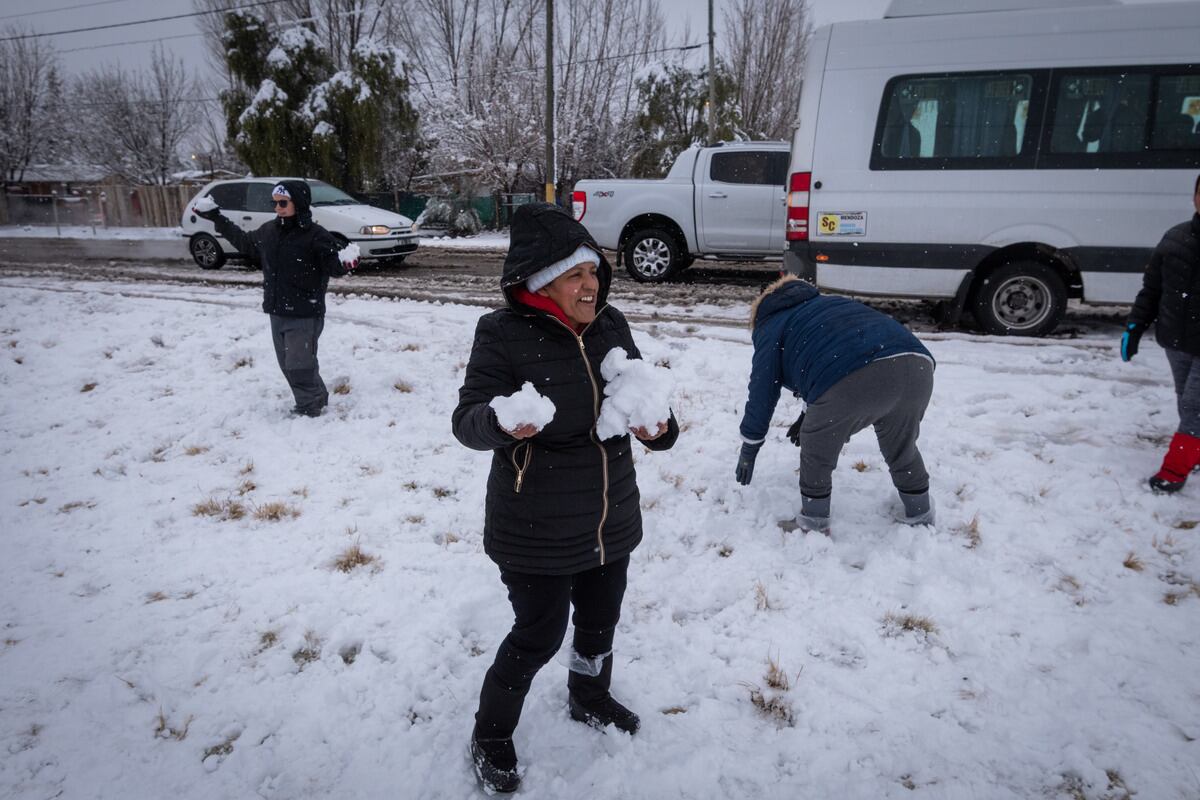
x=891, y=394
x=296, y=350
x=1185, y=369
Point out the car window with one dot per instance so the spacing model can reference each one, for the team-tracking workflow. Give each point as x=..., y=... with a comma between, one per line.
x=1101, y=113
x=230, y=196
x=747, y=167
x=258, y=198
x=325, y=195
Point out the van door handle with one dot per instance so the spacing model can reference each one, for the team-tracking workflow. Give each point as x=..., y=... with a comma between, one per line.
x=247, y=218
x=718, y=195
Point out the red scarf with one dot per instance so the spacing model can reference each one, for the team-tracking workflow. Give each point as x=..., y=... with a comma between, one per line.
x=543, y=303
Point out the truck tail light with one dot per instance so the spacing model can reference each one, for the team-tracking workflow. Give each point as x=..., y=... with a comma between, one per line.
x=797, y=207
x=578, y=204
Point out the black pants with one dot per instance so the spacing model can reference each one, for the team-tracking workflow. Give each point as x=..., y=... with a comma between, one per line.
x=295, y=341
x=541, y=604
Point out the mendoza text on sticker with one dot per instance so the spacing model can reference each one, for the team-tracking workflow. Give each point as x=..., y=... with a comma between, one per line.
x=842, y=223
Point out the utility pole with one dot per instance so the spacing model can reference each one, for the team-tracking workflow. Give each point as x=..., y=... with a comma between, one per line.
x=551, y=167
x=712, y=79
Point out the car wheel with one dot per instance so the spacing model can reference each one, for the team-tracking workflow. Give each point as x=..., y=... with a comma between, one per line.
x=1023, y=298
x=206, y=251
x=652, y=256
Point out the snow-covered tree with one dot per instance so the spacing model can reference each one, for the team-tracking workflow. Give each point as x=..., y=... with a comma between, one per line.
x=31, y=115
x=765, y=44
x=134, y=124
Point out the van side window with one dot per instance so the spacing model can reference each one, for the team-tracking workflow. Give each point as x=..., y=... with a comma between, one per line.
x=1100, y=113
x=943, y=118
x=748, y=168
x=1176, y=124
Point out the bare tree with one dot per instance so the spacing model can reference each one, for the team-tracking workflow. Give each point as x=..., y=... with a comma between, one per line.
x=135, y=123
x=28, y=122
x=765, y=45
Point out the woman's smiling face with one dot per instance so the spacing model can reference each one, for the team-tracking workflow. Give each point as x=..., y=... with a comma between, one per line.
x=575, y=293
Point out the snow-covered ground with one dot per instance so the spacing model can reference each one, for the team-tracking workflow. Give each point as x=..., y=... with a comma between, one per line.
x=175, y=624
x=488, y=240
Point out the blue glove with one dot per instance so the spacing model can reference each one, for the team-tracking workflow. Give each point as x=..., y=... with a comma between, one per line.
x=745, y=465
x=1130, y=338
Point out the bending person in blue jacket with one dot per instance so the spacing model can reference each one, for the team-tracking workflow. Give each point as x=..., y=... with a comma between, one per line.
x=853, y=367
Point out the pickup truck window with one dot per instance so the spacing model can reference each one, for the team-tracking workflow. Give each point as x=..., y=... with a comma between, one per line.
x=761, y=168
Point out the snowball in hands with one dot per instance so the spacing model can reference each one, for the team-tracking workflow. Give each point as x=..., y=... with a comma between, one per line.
x=525, y=407
x=348, y=254
x=205, y=203
x=637, y=395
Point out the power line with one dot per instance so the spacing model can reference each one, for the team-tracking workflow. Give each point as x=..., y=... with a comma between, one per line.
x=141, y=21
x=63, y=8
x=133, y=41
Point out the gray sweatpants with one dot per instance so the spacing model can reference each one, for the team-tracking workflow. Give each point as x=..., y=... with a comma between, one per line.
x=295, y=341
x=1185, y=369
x=892, y=395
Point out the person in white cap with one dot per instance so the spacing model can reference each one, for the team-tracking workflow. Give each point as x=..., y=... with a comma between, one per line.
x=562, y=512
x=297, y=257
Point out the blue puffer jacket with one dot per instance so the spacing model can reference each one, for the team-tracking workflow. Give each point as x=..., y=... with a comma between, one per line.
x=806, y=342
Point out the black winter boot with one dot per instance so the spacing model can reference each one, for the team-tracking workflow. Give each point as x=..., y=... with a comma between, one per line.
x=495, y=763
x=591, y=704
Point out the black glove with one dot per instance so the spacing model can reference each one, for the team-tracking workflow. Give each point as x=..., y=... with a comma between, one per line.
x=210, y=215
x=794, y=431
x=1130, y=338
x=745, y=465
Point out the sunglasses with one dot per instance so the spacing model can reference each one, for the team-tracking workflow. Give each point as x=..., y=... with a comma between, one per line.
x=281, y=203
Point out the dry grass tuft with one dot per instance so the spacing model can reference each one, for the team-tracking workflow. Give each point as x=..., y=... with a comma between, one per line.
x=247, y=487
x=1133, y=562
x=247, y=468
x=440, y=492
x=861, y=466
x=414, y=519
x=342, y=386
x=310, y=652
x=411, y=486
x=895, y=624
x=275, y=511
x=352, y=558
x=195, y=450
x=1186, y=524
x=671, y=710
x=970, y=531
x=155, y=597
x=266, y=641
x=75, y=506
x=225, y=510
x=773, y=708
x=761, y=601
x=164, y=730
x=244, y=361
x=301, y=492
x=87, y=387
x=1175, y=598
x=724, y=551
x=776, y=678
x=221, y=749
x=404, y=387
x=410, y=348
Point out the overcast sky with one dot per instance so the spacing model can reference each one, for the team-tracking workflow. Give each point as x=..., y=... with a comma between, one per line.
x=131, y=46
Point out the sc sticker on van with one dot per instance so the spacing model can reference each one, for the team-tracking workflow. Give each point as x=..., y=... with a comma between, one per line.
x=842, y=223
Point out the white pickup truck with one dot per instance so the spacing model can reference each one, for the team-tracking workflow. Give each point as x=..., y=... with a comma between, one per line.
x=725, y=201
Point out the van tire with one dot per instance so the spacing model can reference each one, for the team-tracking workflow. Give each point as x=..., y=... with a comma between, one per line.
x=206, y=251
x=1023, y=298
x=652, y=256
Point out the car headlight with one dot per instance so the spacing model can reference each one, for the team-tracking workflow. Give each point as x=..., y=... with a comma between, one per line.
x=374, y=230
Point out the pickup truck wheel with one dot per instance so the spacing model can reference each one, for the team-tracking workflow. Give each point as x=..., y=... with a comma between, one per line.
x=1024, y=298
x=206, y=251
x=652, y=256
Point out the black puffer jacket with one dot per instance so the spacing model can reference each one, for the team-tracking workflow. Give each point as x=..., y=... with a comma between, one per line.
x=562, y=501
x=1170, y=295
x=297, y=257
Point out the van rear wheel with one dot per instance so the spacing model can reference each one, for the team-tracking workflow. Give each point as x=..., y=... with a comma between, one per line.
x=652, y=256
x=1023, y=298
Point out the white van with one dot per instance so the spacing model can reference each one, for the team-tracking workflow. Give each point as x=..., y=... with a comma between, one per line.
x=1002, y=160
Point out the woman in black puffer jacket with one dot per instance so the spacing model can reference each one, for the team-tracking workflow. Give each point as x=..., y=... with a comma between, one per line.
x=1170, y=298
x=562, y=511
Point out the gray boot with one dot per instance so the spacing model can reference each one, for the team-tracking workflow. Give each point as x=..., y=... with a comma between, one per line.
x=814, y=513
x=918, y=508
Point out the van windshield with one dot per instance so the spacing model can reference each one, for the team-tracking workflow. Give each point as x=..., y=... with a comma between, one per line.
x=325, y=195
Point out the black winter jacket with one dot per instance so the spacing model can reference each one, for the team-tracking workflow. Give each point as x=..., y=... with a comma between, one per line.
x=562, y=501
x=1170, y=295
x=297, y=257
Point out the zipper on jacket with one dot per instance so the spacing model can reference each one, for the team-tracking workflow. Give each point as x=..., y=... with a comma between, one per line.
x=592, y=435
x=521, y=469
